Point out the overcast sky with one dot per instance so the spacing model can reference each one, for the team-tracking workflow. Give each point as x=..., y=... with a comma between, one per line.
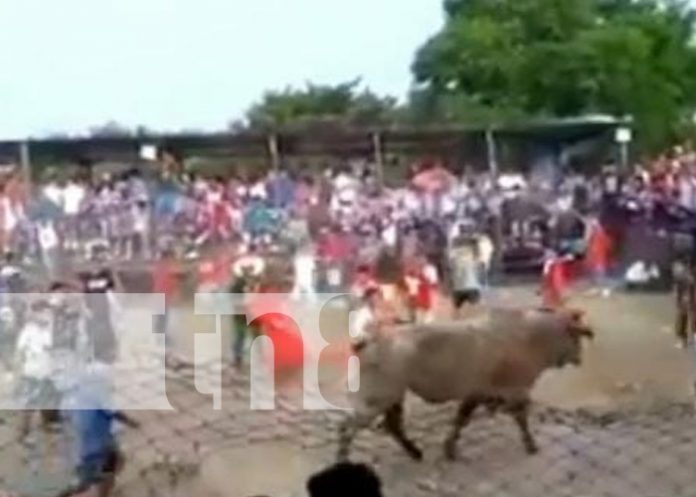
x=183, y=64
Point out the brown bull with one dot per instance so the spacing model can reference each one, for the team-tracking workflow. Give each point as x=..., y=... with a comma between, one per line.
x=494, y=360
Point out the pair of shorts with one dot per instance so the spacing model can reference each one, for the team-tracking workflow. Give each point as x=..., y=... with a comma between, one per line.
x=96, y=468
x=461, y=297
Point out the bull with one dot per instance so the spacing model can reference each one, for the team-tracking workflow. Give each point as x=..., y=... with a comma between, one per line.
x=491, y=360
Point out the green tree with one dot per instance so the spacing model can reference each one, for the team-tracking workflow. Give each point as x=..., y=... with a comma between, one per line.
x=111, y=129
x=500, y=58
x=343, y=104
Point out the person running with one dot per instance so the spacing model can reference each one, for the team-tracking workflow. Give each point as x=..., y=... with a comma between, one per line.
x=98, y=457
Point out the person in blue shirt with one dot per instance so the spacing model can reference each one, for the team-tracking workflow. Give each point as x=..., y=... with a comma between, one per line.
x=98, y=457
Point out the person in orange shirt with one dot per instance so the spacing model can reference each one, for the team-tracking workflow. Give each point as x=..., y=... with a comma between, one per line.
x=554, y=281
x=598, y=256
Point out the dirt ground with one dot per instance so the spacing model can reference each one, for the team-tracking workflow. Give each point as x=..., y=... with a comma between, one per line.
x=597, y=425
x=633, y=366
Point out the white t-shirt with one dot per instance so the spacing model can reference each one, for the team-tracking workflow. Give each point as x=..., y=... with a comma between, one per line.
x=33, y=345
x=304, y=267
x=359, y=321
x=47, y=236
x=258, y=191
x=140, y=220
x=390, y=235
x=73, y=195
x=54, y=193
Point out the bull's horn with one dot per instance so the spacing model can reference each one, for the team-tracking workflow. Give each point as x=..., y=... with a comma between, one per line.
x=586, y=332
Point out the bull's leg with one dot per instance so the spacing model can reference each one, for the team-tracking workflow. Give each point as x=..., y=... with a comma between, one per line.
x=349, y=429
x=520, y=413
x=394, y=423
x=464, y=413
x=681, y=326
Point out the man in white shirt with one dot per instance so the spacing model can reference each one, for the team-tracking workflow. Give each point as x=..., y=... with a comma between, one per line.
x=363, y=321
x=55, y=193
x=48, y=242
x=305, y=271
x=73, y=196
x=34, y=361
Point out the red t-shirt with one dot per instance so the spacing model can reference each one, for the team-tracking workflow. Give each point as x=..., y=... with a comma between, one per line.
x=207, y=273
x=164, y=279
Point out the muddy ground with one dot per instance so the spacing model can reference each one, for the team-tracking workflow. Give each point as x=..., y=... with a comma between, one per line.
x=620, y=425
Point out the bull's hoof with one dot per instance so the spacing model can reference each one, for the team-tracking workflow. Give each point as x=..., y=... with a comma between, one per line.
x=416, y=454
x=532, y=450
x=450, y=451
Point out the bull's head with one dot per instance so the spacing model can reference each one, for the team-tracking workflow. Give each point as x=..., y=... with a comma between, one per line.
x=574, y=328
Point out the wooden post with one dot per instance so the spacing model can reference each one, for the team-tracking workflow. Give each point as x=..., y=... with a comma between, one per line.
x=273, y=151
x=25, y=163
x=378, y=156
x=498, y=238
x=492, y=155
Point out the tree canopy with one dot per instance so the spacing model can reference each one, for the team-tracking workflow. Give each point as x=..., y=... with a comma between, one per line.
x=499, y=58
x=343, y=104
